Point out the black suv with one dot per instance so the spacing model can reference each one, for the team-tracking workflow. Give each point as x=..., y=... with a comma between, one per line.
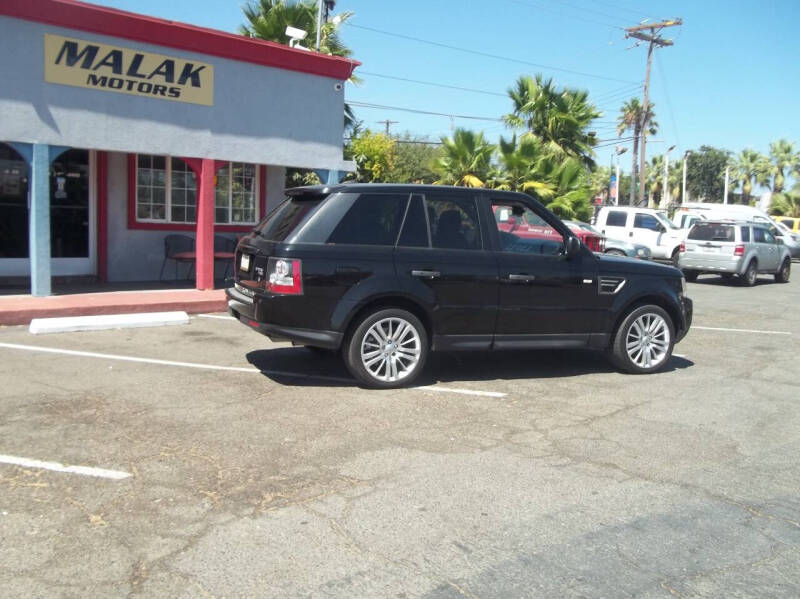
x=387, y=273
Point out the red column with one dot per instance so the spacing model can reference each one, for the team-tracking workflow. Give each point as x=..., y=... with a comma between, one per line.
x=204, y=245
x=102, y=216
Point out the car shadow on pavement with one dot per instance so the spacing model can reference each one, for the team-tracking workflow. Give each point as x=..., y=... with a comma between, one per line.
x=299, y=366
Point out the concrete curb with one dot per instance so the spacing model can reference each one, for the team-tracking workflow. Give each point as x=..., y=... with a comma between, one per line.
x=43, y=326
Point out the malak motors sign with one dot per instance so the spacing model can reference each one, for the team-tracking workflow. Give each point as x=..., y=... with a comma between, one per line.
x=79, y=63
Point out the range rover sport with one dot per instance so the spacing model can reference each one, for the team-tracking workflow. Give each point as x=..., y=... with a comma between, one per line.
x=387, y=273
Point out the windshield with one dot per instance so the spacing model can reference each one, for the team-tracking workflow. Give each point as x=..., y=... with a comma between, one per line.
x=712, y=232
x=662, y=216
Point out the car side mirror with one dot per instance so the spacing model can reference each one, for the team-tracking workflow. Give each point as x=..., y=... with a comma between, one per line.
x=573, y=246
x=662, y=229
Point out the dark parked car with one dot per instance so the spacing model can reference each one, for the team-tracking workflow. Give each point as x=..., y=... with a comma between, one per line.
x=388, y=273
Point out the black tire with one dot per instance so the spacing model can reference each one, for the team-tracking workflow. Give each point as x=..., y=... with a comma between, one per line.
x=626, y=333
x=676, y=254
x=616, y=253
x=690, y=275
x=361, y=338
x=782, y=276
x=750, y=275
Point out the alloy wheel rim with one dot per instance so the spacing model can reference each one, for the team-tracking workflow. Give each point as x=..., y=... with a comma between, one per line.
x=647, y=341
x=391, y=349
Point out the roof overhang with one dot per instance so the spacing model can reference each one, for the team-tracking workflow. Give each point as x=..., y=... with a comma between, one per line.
x=72, y=14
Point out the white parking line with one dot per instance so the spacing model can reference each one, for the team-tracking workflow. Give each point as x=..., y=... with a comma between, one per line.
x=86, y=354
x=229, y=317
x=741, y=330
x=56, y=467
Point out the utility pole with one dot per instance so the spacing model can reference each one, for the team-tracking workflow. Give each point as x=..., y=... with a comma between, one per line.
x=387, y=122
x=683, y=194
x=654, y=40
x=665, y=191
x=727, y=174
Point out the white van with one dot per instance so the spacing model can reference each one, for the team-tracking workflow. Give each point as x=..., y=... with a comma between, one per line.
x=642, y=225
x=683, y=216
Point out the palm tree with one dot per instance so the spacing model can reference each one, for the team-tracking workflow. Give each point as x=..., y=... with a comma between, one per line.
x=655, y=180
x=570, y=195
x=559, y=117
x=786, y=204
x=783, y=156
x=465, y=160
x=747, y=168
x=519, y=165
x=630, y=118
x=268, y=19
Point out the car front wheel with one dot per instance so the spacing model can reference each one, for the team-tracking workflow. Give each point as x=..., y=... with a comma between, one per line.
x=387, y=349
x=644, y=341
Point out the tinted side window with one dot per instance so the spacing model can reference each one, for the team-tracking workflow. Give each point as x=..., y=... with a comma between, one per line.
x=288, y=217
x=758, y=235
x=373, y=219
x=415, y=227
x=526, y=233
x=616, y=218
x=646, y=221
x=454, y=222
x=745, y=234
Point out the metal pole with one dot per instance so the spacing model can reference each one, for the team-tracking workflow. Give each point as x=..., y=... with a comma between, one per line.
x=725, y=199
x=683, y=193
x=665, y=191
x=616, y=192
x=319, y=22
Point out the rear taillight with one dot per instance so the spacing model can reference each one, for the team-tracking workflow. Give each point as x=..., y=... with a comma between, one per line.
x=738, y=250
x=683, y=248
x=594, y=243
x=285, y=276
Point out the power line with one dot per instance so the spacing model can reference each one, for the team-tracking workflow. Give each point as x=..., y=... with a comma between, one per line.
x=429, y=112
x=431, y=83
x=485, y=54
x=669, y=104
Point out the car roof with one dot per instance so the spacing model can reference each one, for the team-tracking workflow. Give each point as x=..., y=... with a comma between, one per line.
x=323, y=190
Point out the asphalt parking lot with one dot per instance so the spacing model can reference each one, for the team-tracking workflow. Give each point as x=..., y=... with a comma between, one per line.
x=233, y=467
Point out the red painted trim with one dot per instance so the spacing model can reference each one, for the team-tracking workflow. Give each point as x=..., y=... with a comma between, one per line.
x=133, y=224
x=72, y=14
x=102, y=216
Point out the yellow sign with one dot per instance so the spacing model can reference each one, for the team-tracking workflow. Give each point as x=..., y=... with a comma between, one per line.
x=70, y=61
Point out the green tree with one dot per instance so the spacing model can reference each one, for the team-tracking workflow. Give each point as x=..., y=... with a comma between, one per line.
x=374, y=157
x=655, y=180
x=705, y=173
x=784, y=160
x=464, y=161
x=412, y=160
x=786, y=204
x=559, y=117
x=747, y=169
x=519, y=167
x=600, y=181
x=630, y=119
x=570, y=195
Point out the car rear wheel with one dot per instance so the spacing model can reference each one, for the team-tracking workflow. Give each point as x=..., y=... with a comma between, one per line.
x=387, y=349
x=751, y=274
x=616, y=253
x=782, y=276
x=644, y=341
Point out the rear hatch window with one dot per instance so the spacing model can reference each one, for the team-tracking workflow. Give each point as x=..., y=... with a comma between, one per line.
x=288, y=217
x=713, y=232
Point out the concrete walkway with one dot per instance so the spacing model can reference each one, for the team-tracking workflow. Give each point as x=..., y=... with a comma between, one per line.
x=21, y=309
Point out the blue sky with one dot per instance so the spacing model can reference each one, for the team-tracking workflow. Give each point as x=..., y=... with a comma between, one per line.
x=731, y=80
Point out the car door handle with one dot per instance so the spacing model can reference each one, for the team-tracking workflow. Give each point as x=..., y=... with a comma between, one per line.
x=523, y=278
x=426, y=274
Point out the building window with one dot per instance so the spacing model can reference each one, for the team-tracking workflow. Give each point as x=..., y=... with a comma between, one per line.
x=166, y=192
x=235, y=194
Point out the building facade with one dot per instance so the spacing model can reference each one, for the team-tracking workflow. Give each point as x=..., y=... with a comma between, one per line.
x=120, y=133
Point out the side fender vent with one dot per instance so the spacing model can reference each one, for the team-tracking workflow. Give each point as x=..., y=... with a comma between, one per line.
x=611, y=285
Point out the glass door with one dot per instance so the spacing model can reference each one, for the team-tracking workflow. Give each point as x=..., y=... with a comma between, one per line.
x=72, y=214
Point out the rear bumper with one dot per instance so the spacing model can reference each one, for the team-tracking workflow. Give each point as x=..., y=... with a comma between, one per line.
x=243, y=308
x=703, y=264
x=687, y=311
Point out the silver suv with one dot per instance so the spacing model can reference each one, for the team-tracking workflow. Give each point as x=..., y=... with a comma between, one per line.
x=734, y=248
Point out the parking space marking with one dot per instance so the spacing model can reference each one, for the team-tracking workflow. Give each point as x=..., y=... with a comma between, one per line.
x=57, y=467
x=86, y=354
x=741, y=330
